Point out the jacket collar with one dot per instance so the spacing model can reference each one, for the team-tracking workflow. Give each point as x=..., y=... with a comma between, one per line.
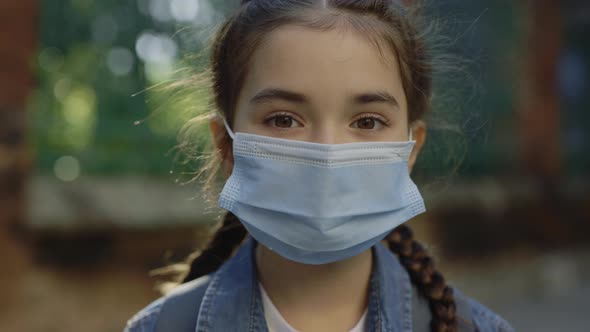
x=391, y=293
x=233, y=302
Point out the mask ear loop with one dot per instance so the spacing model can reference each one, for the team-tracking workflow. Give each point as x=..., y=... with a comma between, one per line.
x=227, y=128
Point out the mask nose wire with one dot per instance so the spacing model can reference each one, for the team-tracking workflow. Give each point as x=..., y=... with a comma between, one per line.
x=229, y=131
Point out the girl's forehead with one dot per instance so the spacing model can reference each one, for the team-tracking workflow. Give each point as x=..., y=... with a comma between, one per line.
x=332, y=62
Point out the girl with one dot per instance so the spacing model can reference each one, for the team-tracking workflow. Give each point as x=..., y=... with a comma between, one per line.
x=320, y=120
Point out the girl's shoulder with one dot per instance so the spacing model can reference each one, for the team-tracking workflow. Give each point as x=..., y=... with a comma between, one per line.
x=176, y=309
x=146, y=318
x=474, y=316
x=485, y=320
x=471, y=315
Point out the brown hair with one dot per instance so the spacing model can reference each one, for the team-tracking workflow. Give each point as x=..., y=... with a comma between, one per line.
x=391, y=26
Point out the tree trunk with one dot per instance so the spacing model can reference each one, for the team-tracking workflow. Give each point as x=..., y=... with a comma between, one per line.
x=18, y=37
x=539, y=120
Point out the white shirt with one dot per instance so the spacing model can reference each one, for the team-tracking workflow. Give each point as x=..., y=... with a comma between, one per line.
x=276, y=322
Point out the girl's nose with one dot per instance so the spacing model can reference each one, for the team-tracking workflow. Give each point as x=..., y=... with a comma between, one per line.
x=326, y=134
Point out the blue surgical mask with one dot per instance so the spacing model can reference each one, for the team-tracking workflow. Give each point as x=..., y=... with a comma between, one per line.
x=319, y=203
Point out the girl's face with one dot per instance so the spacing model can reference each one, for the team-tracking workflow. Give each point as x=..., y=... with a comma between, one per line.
x=325, y=87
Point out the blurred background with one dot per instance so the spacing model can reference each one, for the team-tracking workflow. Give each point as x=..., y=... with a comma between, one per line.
x=93, y=196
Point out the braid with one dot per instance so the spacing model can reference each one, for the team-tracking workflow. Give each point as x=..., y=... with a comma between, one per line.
x=431, y=284
x=224, y=241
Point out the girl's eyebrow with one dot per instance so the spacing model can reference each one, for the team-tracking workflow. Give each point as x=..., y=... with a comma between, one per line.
x=272, y=94
x=376, y=97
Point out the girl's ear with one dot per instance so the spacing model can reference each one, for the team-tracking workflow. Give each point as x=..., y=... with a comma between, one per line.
x=418, y=129
x=223, y=144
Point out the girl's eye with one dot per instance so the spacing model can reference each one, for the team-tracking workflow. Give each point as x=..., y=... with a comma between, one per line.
x=366, y=123
x=369, y=122
x=282, y=121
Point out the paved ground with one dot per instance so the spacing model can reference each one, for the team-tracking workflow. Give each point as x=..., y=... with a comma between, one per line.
x=541, y=293
x=566, y=312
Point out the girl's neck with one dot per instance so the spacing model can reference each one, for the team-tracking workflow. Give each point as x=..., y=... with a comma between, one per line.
x=328, y=297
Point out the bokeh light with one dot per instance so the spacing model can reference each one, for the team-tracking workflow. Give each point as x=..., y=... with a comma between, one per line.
x=105, y=29
x=67, y=168
x=120, y=61
x=184, y=10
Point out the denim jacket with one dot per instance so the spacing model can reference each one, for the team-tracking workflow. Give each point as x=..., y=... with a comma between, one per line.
x=230, y=300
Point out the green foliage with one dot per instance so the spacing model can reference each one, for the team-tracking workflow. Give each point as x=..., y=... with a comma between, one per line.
x=96, y=99
x=102, y=101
